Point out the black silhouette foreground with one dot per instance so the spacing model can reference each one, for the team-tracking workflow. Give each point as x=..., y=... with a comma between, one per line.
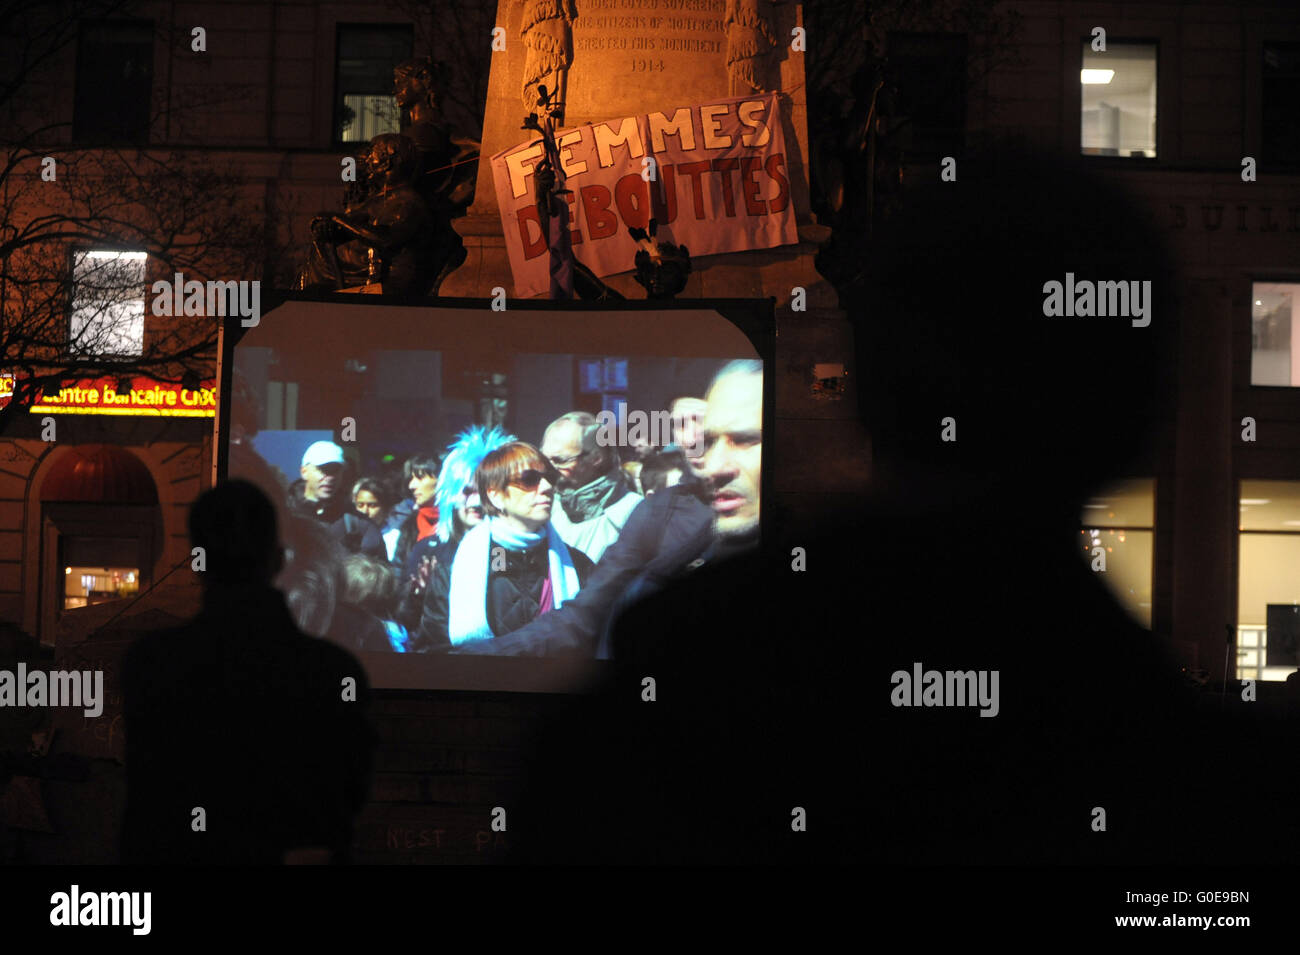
x=773, y=686
x=244, y=743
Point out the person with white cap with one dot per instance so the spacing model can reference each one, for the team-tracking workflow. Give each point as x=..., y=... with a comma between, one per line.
x=320, y=494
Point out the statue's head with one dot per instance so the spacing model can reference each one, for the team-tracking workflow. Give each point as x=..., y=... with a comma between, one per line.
x=417, y=80
x=391, y=159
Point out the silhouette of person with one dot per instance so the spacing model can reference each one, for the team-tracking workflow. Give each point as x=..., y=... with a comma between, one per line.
x=777, y=731
x=247, y=741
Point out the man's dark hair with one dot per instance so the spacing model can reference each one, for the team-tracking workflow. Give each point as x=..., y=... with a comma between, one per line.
x=656, y=467
x=235, y=524
x=423, y=465
x=376, y=487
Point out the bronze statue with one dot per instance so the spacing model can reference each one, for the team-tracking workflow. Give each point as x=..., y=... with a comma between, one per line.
x=395, y=229
x=447, y=169
x=392, y=221
x=447, y=164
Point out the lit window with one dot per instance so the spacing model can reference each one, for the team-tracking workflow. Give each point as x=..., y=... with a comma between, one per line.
x=364, y=104
x=1275, y=339
x=1119, y=100
x=107, y=304
x=1268, y=589
x=1117, y=541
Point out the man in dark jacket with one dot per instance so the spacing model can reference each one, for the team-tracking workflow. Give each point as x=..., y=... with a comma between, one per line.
x=790, y=723
x=246, y=740
x=319, y=493
x=672, y=533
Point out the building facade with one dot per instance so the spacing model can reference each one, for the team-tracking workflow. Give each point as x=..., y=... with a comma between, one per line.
x=1195, y=90
x=1193, y=107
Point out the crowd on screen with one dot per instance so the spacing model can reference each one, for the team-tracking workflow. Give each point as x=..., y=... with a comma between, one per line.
x=499, y=545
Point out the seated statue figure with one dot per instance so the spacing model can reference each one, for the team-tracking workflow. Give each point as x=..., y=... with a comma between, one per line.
x=446, y=169
x=388, y=217
x=446, y=164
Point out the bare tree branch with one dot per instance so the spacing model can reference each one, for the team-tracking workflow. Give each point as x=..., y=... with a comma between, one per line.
x=186, y=212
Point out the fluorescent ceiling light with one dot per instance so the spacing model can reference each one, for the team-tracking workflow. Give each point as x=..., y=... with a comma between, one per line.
x=1256, y=500
x=1096, y=76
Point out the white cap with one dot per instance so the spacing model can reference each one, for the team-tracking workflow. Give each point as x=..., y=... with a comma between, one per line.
x=323, y=452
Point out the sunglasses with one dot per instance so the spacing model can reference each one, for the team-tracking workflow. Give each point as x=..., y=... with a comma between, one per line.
x=564, y=462
x=531, y=478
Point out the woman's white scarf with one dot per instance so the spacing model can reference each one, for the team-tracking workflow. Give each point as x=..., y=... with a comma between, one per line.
x=467, y=600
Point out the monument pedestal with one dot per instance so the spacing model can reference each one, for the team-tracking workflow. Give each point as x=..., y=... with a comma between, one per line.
x=654, y=57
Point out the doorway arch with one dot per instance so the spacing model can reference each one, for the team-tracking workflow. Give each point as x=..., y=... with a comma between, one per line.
x=100, y=530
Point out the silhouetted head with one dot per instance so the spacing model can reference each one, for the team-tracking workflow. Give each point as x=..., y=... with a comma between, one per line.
x=235, y=525
x=950, y=324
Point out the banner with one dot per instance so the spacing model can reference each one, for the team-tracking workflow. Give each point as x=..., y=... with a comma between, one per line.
x=113, y=396
x=715, y=177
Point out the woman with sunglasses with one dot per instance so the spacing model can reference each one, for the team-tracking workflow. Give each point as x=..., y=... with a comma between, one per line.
x=459, y=509
x=511, y=568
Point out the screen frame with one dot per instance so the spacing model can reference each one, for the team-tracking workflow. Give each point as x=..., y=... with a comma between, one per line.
x=399, y=673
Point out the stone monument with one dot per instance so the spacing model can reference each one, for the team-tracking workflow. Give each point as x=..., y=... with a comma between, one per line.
x=618, y=58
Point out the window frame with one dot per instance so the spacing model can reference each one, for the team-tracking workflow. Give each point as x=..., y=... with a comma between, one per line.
x=126, y=357
x=79, y=136
x=1257, y=33
x=1287, y=396
x=1165, y=35
x=1154, y=529
x=1287, y=476
x=1125, y=40
x=336, y=100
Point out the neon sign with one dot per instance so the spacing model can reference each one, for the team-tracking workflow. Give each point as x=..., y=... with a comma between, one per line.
x=146, y=396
